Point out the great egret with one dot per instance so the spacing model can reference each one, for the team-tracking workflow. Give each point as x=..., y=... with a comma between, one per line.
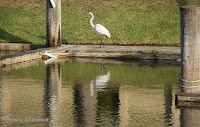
x=101, y=30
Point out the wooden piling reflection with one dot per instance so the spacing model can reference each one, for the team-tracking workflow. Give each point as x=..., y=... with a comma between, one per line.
x=53, y=92
x=190, y=117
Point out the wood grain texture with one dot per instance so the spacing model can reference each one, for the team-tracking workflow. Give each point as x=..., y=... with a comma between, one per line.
x=53, y=36
x=190, y=47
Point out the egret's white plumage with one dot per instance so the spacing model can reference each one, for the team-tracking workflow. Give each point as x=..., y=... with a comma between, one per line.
x=101, y=30
x=99, y=82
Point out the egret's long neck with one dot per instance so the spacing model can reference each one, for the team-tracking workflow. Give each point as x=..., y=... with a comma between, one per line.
x=91, y=21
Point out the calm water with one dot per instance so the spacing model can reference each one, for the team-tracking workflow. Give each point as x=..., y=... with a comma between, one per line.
x=92, y=92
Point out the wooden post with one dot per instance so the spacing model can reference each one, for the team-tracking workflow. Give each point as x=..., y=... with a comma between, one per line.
x=190, y=49
x=53, y=35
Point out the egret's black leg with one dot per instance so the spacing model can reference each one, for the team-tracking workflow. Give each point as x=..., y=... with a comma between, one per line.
x=104, y=41
x=101, y=41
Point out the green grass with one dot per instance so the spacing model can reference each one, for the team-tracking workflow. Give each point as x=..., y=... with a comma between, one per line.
x=22, y=24
x=156, y=22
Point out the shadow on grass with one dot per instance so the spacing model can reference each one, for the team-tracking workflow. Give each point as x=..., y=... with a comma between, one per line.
x=42, y=36
x=182, y=2
x=4, y=35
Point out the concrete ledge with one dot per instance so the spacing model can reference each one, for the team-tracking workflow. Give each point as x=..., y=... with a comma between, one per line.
x=123, y=52
x=19, y=47
x=20, y=57
x=93, y=51
x=134, y=56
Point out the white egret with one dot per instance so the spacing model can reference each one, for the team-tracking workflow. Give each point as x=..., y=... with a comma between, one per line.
x=101, y=30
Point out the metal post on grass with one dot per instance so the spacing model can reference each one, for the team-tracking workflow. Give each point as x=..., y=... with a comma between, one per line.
x=190, y=49
x=53, y=19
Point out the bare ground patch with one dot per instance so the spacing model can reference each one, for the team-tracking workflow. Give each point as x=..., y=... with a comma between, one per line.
x=27, y=3
x=87, y=3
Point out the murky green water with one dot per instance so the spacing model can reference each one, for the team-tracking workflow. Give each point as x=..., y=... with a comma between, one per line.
x=89, y=93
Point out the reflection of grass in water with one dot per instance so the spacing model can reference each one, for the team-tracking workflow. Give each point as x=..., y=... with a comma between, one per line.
x=132, y=21
x=134, y=75
x=85, y=72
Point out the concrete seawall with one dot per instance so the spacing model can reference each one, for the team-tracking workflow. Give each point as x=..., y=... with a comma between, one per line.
x=93, y=51
x=124, y=52
x=19, y=47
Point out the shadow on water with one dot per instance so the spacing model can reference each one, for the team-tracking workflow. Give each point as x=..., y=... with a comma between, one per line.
x=78, y=101
x=4, y=35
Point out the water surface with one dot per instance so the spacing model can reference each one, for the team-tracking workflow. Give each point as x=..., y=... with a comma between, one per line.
x=93, y=92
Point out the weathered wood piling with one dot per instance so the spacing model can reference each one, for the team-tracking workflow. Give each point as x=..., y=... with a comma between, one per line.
x=53, y=19
x=190, y=49
x=190, y=52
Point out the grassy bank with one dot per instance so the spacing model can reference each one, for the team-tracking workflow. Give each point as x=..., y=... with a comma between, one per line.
x=152, y=22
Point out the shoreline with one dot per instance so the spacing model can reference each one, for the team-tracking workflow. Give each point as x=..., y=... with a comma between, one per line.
x=155, y=53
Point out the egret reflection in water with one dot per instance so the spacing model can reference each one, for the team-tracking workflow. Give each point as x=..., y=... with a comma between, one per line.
x=99, y=83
